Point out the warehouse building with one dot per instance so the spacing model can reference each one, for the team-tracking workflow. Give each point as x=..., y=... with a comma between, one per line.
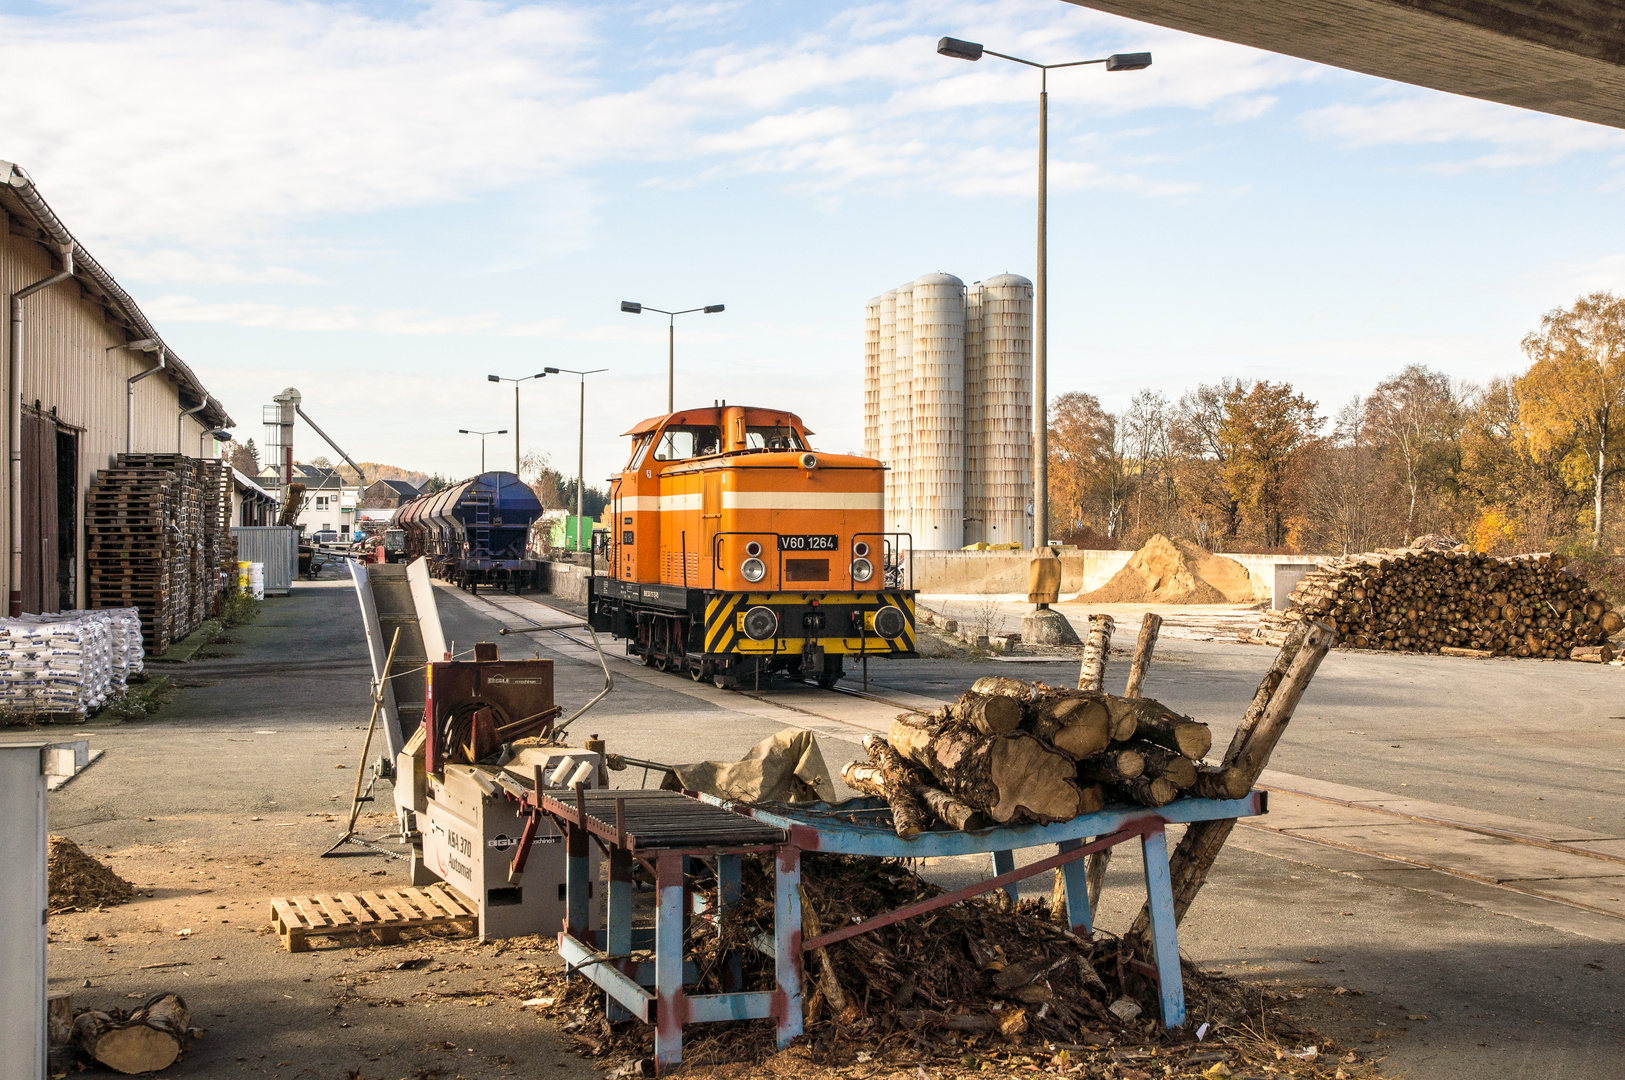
x=86, y=378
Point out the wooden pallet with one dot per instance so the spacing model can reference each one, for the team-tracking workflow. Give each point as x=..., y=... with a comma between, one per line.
x=383, y=914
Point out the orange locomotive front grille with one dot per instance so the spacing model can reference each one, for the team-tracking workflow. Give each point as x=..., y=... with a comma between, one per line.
x=840, y=634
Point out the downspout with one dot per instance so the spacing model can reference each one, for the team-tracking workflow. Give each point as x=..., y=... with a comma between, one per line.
x=180, y=424
x=129, y=398
x=14, y=424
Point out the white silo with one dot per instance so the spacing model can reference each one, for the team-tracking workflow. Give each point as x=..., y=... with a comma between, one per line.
x=937, y=471
x=886, y=372
x=871, y=376
x=974, y=513
x=902, y=453
x=1007, y=407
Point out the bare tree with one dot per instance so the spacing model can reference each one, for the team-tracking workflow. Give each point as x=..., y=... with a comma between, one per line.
x=1415, y=417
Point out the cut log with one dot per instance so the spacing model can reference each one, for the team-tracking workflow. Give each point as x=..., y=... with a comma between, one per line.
x=1144, y=646
x=897, y=781
x=1593, y=654
x=991, y=714
x=148, y=1039
x=950, y=810
x=1156, y=723
x=1007, y=777
x=1146, y=790
x=998, y=684
x=1218, y=782
x=1097, y=650
x=1168, y=764
x=1080, y=724
x=1477, y=654
x=1112, y=767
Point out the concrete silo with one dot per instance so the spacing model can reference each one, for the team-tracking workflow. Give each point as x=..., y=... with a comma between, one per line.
x=871, y=376
x=902, y=454
x=974, y=512
x=886, y=390
x=937, y=416
x=1007, y=407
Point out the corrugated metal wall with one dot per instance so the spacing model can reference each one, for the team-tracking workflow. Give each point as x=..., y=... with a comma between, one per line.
x=69, y=371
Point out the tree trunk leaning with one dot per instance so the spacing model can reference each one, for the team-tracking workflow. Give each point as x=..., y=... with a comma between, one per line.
x=1271, y=711
x=1144, y=647
x=1096, y=651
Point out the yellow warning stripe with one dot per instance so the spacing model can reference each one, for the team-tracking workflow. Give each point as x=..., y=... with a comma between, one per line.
x=719, y=618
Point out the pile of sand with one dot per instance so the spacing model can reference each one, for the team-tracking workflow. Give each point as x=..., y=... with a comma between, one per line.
x=77, y=880
x=1168, y=571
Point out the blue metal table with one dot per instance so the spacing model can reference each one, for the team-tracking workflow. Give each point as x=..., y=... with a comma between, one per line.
x=857, y=827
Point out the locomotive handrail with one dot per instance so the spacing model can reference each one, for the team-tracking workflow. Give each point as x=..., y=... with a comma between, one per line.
x=887, y=545
x=716, y=552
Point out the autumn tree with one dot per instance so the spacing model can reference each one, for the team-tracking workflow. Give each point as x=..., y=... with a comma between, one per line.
x=1574, y=394
x=1150, y=462
x=1194, y=435
x=1263, y=429
x=1414, y=420
x=1343, y=500
x=1521, y=500
x=1088, y=482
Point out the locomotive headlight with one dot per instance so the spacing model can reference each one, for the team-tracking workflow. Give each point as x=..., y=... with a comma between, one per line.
x=761, y=623
x=754, y=570
x=889, y=622
x=862, y=570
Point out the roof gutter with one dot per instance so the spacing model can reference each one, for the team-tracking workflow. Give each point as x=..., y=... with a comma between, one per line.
x=14, y=422
x=180, y=423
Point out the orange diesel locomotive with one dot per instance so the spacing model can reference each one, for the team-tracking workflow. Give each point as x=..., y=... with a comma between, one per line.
x=737, y=549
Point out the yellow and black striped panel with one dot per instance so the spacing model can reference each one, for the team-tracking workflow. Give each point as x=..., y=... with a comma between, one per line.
x=724, y=635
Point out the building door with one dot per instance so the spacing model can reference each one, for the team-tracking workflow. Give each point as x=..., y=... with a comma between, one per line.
x=67, y=518
x=39, y=516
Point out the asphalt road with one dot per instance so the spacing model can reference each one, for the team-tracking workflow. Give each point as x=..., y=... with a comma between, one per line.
x=260, y=736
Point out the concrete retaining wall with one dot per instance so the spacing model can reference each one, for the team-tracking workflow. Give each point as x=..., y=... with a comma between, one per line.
x=567, y=581
x=980, y=572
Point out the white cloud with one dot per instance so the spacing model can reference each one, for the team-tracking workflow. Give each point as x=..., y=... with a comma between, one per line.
x=1519, y=137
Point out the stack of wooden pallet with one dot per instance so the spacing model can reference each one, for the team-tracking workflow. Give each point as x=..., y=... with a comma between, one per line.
x=159, y=534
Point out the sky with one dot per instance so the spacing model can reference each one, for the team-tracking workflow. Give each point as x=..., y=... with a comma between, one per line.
x=383, y=203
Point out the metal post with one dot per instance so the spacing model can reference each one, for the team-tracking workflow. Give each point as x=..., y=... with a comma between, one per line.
x=671, y=364
x=516, y=427
x=581, y=463
x=482, y=455
x=1041, y=335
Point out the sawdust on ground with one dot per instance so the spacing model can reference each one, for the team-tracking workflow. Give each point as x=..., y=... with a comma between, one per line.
x=1167, y=571
x=77, y=880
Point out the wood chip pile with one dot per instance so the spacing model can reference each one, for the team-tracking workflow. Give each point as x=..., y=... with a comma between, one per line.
x=1435, y=599
x=1009, y=751
x=159, y=528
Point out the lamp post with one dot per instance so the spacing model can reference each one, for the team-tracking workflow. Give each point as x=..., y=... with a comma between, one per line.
x=581, y=445
x=482, y=435
x=516, y=382
x=632, y=308
x=970, y=50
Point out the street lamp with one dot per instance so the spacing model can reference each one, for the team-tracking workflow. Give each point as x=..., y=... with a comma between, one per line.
x=482, y=435
x=581, y=443
x=671, y=339
x=516, y=382
x=970, y=50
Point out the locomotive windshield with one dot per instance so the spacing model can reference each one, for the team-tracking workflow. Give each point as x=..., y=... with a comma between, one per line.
x=682, y=443
x=772, y=438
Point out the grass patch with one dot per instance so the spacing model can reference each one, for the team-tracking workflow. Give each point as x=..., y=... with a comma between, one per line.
x=145, y=696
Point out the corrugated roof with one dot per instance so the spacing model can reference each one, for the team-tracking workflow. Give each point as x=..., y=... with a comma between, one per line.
x=21, y=199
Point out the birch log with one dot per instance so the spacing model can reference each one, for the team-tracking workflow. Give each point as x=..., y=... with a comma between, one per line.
x=1097, y=650
x=1008, y=777
x=1144, y=647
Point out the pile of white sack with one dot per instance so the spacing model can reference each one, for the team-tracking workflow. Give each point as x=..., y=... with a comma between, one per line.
x=67, y=663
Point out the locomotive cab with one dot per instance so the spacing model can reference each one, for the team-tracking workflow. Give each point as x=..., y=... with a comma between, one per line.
x=736, y=548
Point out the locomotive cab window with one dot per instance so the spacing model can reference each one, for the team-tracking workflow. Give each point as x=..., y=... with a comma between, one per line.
x=682, y=443
x=772, y=438
x=638, y=449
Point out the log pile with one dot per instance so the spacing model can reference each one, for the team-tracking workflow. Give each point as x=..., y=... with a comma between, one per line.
x=1008, y=751
x=1452, y=601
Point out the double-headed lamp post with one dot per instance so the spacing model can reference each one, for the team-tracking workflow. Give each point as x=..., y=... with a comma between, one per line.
x=482, y=435
x=632, y=308
x=970, y=50
x=581, y=447
x=516, y=382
